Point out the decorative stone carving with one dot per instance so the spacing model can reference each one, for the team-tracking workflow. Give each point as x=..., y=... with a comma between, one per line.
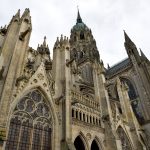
x=88, y=136
x=3, y=30
x=23, y=34
x=2, y=134
x=40, y=76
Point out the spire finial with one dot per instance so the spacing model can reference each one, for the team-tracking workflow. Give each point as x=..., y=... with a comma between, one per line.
x=44, y=42
x=79, y=20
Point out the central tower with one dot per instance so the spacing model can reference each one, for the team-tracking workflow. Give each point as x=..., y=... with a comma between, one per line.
x=88, y=97
x=84, y=53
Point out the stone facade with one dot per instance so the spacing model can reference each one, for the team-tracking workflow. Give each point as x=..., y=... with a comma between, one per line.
x=71, y=101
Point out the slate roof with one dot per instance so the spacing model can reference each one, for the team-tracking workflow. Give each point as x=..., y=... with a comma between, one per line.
x=118, y=67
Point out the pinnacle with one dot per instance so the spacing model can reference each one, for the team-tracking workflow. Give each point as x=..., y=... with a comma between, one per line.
x=44, y=42
x=142, y=54
x=26, y=12
x=127, y=39
x=17, y=15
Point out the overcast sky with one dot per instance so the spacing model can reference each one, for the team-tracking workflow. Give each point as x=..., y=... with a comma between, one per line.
x=106, y=18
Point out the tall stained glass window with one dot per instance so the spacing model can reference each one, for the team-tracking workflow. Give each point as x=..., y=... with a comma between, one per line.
x=30, y=125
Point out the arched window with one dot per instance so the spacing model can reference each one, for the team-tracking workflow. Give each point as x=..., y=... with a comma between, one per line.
x=131, y=92
x=82, y=35
x=124, y=139
x=83, y=117
x=87, y=118
x=87, y=73
x=30, y=125
x=134, y=101
x=94, y=146
x=96, y=121
x=90, y=119
x=99, y=122
x=76, y=114
x=73, y=113
x=78, y=143
x=93, y=120
x=80, y=116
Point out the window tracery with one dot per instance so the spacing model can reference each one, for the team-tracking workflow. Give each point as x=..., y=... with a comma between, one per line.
x=30, y=125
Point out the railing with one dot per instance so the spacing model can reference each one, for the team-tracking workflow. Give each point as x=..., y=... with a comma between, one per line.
x=79, y=98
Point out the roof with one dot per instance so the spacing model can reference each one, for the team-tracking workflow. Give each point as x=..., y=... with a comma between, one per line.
x=80, y=26
x=118, y=67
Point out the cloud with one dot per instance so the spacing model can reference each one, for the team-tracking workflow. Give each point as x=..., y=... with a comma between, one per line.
x=107, y=19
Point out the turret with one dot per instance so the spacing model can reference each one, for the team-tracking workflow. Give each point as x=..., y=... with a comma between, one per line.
x=59, y=62
x=43, y=48
x=44, y=55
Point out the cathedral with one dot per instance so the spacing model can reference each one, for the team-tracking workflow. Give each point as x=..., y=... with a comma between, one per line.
x=70, y=101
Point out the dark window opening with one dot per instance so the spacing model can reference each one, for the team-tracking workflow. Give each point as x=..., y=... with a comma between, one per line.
x=120, y=110
x=78, y=143
x=82, y=36
x=94, y=146
x=83, y=117
x=90, y=119
x=72, y=113
x=80, y=116
x=77, y=114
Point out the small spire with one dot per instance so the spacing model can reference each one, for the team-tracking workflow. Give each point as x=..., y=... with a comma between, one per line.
x=127, y=39
x=44, y=42
x=108, y=67
x=143, y=56
x=26, y=12
x=17, y=15
x=79, y=20
x=131, y=48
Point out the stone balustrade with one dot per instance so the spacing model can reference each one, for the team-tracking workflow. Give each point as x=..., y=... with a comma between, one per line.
x=79, y=98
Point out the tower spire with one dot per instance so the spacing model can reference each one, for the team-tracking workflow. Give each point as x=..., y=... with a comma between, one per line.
x=79, y=19
x=127, y=39
x=131, y=48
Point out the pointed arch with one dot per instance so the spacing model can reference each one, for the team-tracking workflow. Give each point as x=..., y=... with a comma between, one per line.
x=47, y=98
x=96, y=144
x=36, y=119
x=133, y=95
x=125, y=141
x=82, y=36
x=81, y=141
x=132, y=92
